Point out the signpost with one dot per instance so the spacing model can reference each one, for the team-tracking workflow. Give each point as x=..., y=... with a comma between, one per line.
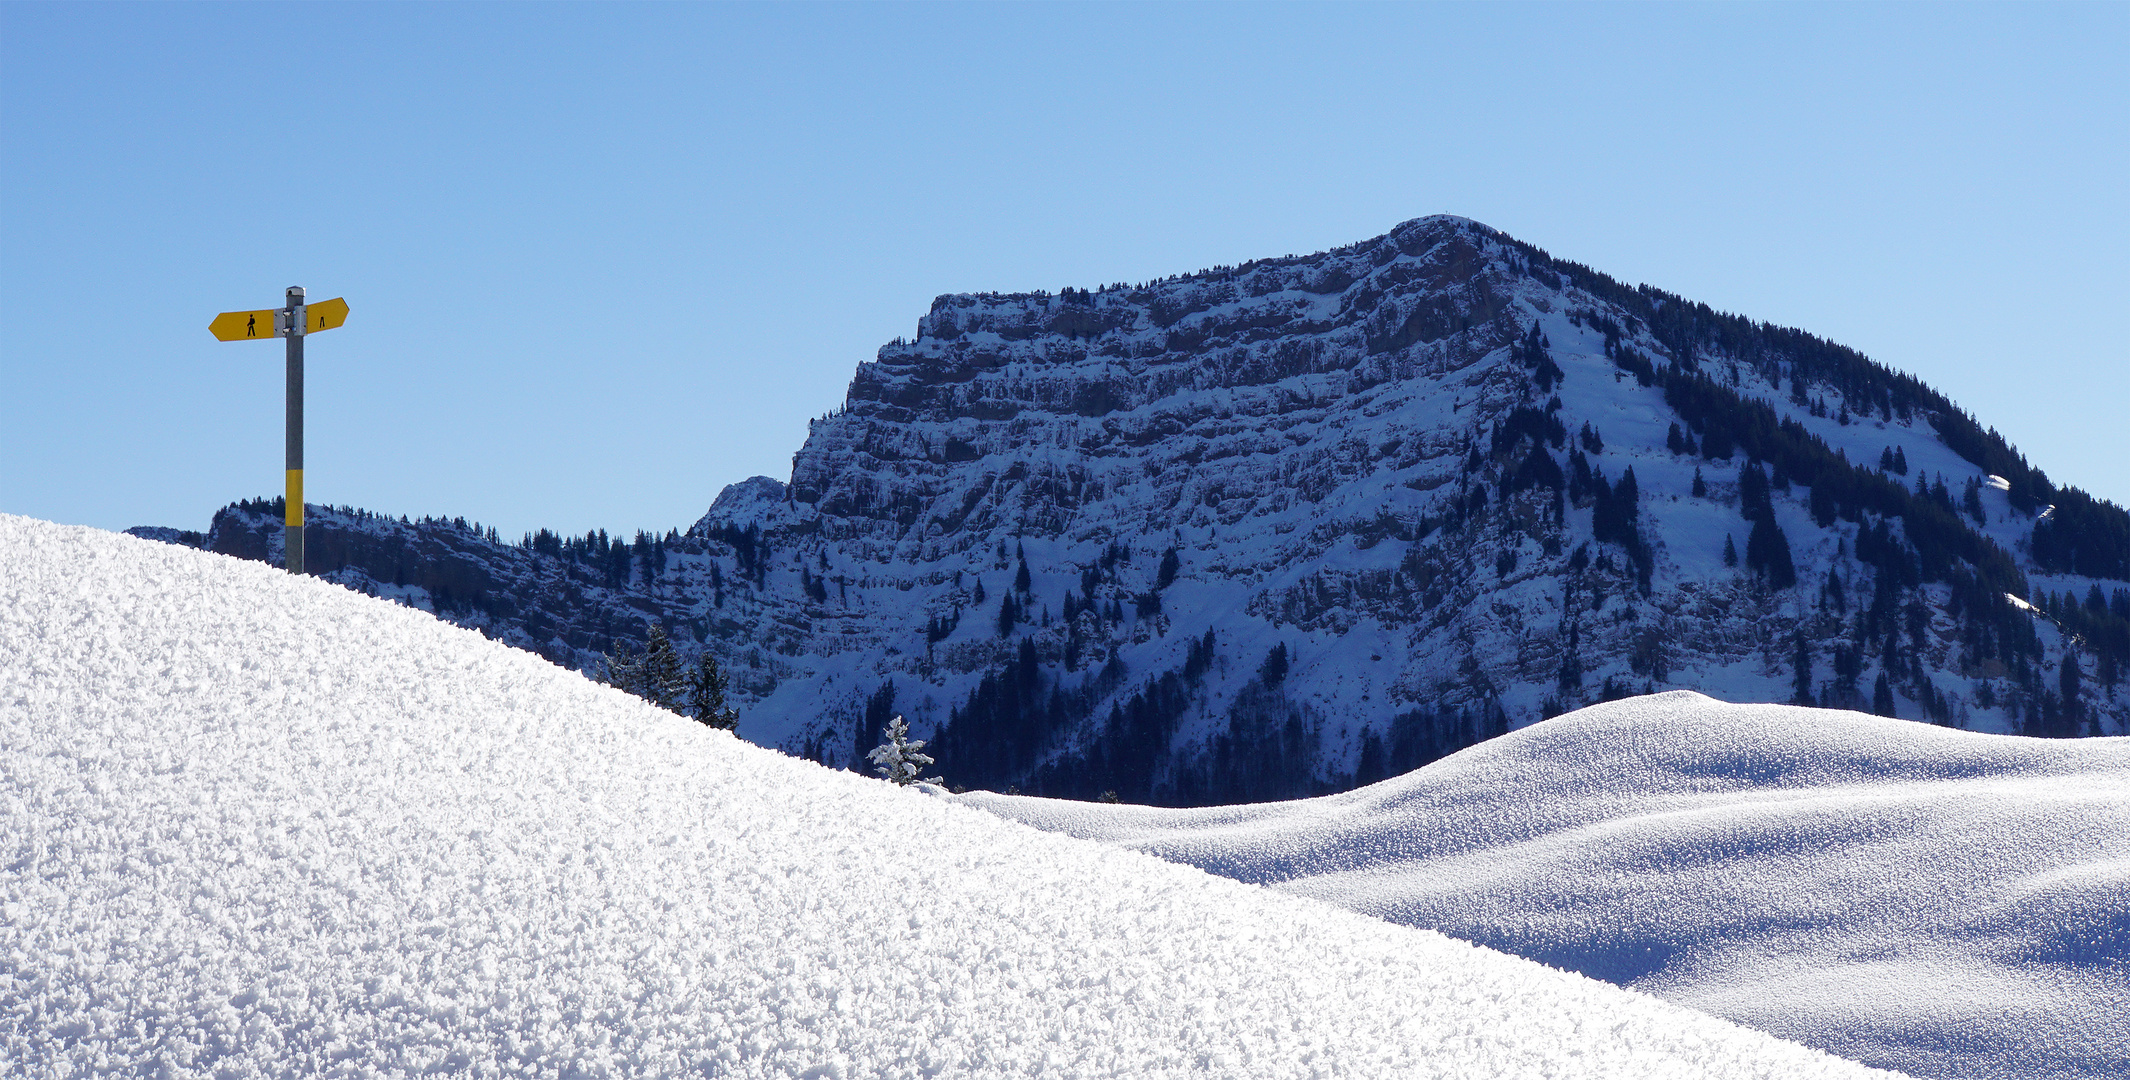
x=293, y=322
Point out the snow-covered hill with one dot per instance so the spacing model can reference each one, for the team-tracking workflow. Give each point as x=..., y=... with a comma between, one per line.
x=1946, y=903
x=254, y=825
x=1293, y=526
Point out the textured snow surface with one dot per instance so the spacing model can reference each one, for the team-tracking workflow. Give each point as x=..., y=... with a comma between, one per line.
x=253, y=825
x=1942, y=902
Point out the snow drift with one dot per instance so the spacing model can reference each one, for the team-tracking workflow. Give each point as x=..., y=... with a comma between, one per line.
x=1942, y=902
x=261, y=826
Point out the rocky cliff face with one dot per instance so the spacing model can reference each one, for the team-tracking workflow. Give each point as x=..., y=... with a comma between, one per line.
x=1290, y=526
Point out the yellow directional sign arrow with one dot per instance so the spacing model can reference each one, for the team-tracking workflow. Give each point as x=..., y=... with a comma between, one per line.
x=246, y=325
x=325, y=315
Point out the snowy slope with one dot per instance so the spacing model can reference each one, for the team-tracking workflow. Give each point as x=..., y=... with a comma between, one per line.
x=260, y=826
x=1947, y=903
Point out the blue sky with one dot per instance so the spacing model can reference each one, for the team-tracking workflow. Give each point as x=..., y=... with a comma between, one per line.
x=604, y=260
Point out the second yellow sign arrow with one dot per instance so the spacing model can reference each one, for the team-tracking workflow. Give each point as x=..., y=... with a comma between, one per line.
x=325, y=315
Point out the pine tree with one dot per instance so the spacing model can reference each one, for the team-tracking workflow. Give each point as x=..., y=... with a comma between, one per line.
x=1823, y=505
x=2068, y=679
x=1009, y=615
x=706, y=695
x=1571, y=677
x=1274, y=670
x=623, y=671
x=1882, y=696
x=1801, y=663
x=1767, y=551
x=1700, y=485
x=900, y=759
x=1169, y=565
x=1848, y=667
x=1971, y=501
x=1730, y=551
x=662, y=681
x=1754, y=500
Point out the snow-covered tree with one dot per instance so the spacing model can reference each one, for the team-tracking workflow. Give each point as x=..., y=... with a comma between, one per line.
x=623, y=671
x=663, y=681
x=706, y=695
x=654, y=676
x=901, y=759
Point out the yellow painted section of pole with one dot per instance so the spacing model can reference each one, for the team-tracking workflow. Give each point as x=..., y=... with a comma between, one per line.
x=294, y=515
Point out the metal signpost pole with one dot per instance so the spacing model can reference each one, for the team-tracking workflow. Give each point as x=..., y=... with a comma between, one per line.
x=295, y=322
x=293, y=518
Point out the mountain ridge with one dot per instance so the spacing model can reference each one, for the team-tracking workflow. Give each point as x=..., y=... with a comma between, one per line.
x=1279, y=528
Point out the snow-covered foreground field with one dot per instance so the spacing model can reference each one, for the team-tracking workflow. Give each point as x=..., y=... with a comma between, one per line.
x=1946, y=903
x=253, y=825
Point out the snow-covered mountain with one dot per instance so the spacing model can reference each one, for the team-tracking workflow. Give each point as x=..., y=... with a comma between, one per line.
x=1293, y=526
x=1946, y=903
x=259, y=826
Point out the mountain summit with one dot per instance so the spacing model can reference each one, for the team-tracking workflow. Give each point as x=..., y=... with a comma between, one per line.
x=1292, y=526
